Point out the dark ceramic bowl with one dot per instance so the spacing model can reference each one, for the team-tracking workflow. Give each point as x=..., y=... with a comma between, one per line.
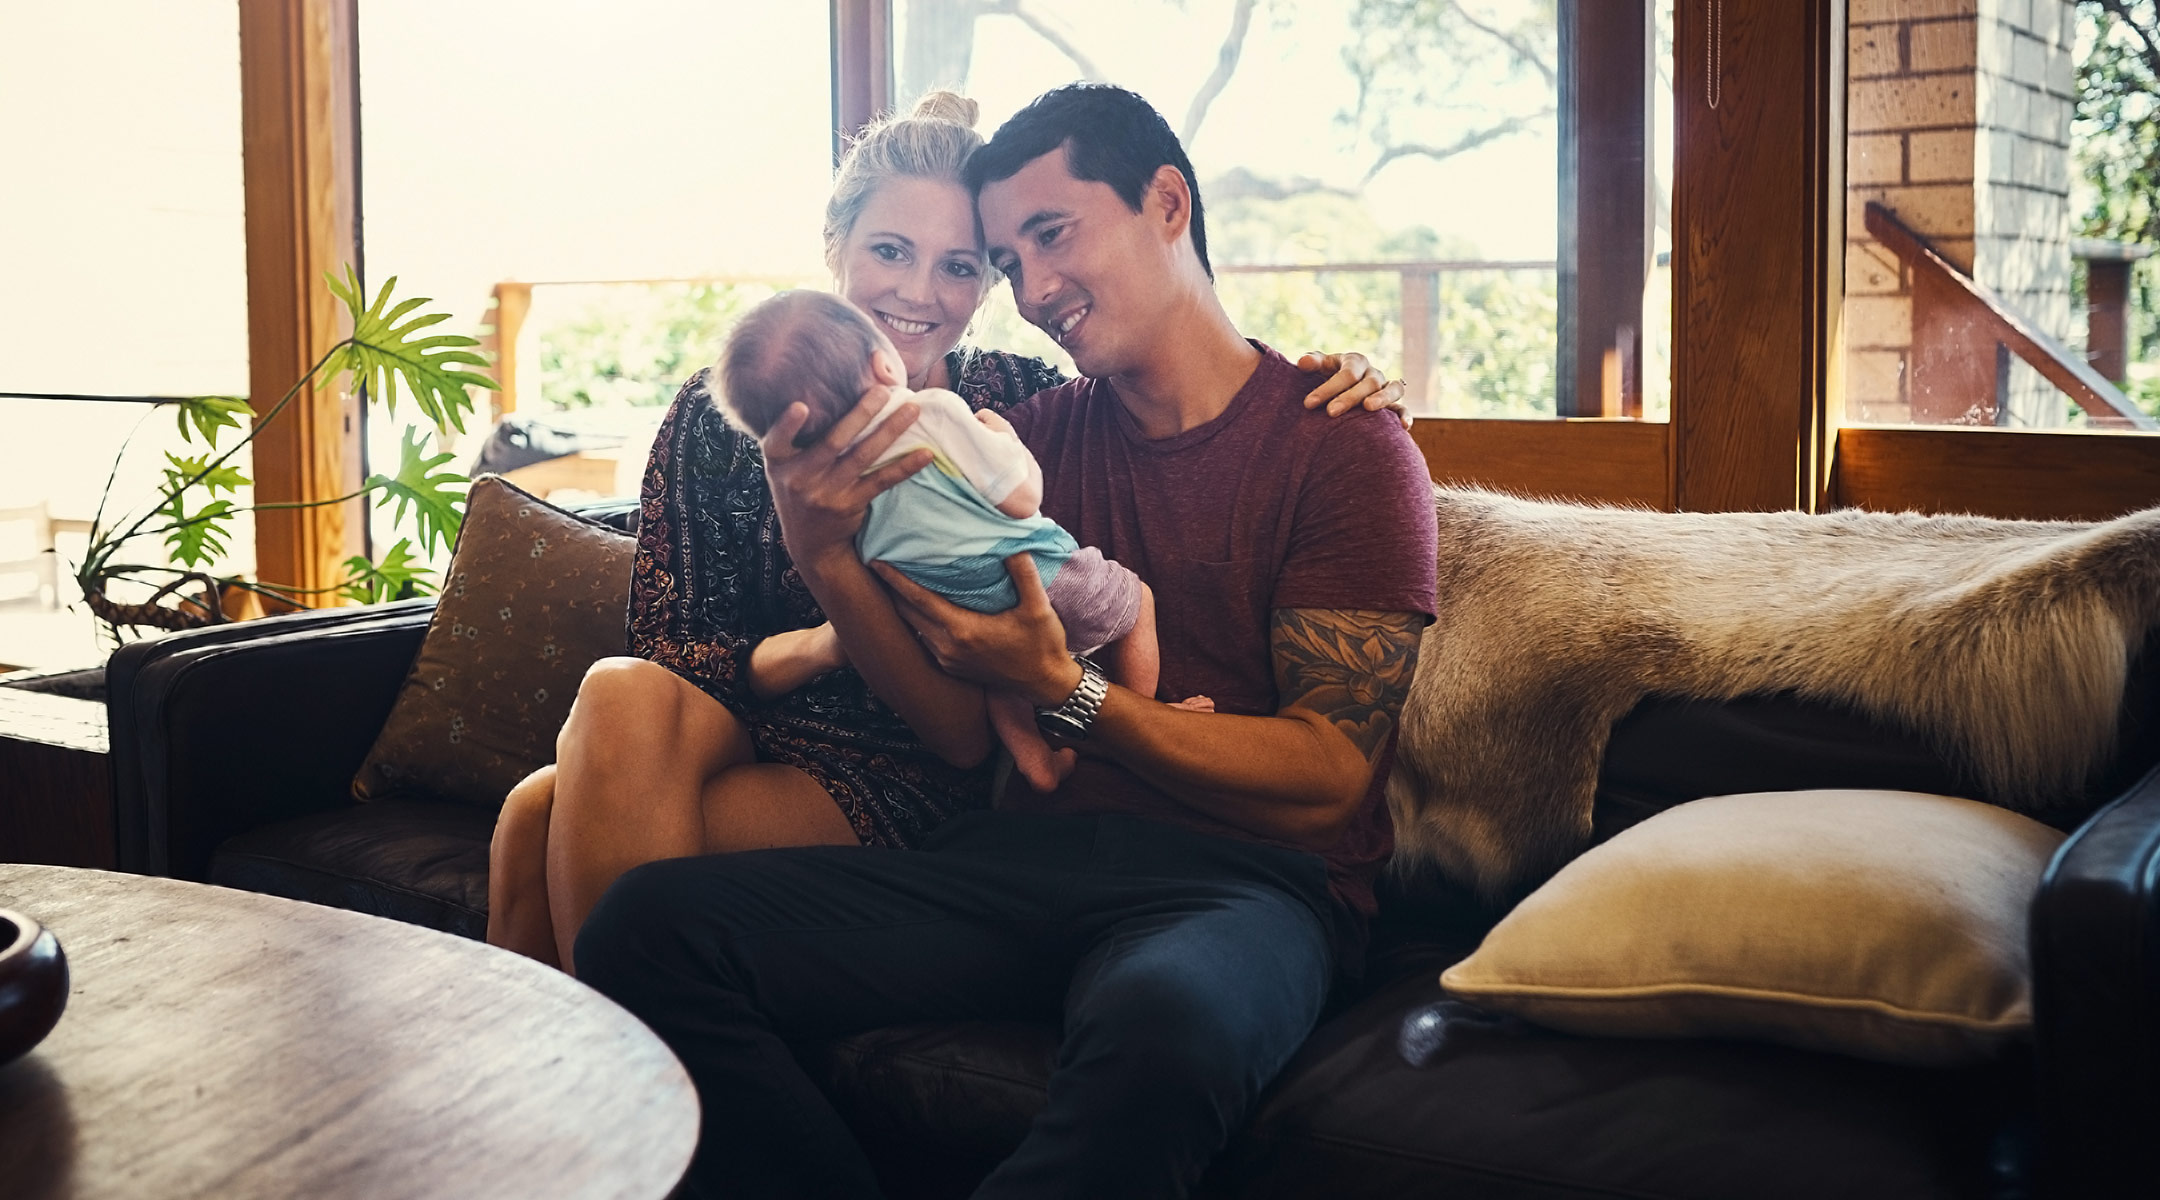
x=33, y=984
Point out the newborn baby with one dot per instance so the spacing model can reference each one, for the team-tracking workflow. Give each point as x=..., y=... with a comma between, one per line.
x=950, y=526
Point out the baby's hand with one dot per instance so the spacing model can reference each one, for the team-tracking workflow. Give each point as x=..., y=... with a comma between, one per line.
x=1195, y=704
x=995, y=423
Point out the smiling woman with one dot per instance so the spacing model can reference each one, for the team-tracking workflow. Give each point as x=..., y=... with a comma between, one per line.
x=900, y=233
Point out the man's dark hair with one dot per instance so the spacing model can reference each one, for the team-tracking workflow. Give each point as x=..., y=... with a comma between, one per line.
x=1110, y=136
x=800, y=345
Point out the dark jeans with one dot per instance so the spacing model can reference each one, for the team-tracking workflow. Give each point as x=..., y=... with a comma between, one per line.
x=1186, y=969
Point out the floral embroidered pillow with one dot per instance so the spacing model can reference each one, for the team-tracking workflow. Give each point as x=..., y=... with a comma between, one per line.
x=533, y=597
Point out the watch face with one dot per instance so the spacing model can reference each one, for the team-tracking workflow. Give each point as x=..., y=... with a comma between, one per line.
x=1057, y=724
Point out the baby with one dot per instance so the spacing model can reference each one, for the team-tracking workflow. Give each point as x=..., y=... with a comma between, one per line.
x=950, y=526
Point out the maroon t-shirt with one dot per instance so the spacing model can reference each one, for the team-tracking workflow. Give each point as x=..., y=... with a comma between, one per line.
x=1268, y=506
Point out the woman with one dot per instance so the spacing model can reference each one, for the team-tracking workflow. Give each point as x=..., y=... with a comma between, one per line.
x=733, y=728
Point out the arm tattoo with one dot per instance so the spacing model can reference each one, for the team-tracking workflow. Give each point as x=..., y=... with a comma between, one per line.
x=1352, y=666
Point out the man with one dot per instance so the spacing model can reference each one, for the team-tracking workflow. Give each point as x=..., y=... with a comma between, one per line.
x=1184, y=901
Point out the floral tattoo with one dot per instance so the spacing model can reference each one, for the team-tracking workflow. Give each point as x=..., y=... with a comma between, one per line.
x=1352, y=666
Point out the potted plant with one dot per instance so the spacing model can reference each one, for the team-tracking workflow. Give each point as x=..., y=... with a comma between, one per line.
x=389, y=347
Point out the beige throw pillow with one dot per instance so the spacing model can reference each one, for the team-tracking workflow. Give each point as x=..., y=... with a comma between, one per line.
x=533, y=597
x=1885, y=925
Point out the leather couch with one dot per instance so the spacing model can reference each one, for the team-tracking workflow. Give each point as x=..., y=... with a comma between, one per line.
x=233, y=749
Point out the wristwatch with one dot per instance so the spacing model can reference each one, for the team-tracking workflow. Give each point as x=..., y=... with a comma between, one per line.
x=1072, y=719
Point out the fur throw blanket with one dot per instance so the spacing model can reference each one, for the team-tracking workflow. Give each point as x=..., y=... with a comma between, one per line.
x=2005, y=643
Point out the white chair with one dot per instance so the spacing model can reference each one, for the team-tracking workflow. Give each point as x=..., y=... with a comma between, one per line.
x=42, y=566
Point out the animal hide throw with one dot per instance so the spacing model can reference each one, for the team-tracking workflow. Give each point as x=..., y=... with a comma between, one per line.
x=2003, y=643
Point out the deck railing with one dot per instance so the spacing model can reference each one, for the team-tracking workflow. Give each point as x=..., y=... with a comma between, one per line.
x=1963, y=335
x=1418, y=282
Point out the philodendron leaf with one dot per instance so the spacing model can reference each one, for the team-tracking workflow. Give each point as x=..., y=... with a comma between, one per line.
x=398, y=574
x=436, y=497
x=384, y=353
x=208, y=414
x=197, y=538
x=179, y=471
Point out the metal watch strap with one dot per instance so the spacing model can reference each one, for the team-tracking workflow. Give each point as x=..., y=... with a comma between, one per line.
x=1072, y=719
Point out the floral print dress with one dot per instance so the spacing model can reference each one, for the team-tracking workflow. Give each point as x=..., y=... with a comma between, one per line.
x=712, y=578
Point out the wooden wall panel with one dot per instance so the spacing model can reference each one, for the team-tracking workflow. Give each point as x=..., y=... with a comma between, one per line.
x=1998, y=472
x=1757, y=268
x=1603, y=462
x=297, y=103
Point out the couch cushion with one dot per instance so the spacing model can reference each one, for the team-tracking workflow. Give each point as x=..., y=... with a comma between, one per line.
x=1500, y=1113
x=1889, y=925
x=533, y=596
x=1515, y=1113
x=416, y=861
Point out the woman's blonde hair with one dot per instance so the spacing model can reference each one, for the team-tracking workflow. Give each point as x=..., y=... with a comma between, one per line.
x=931, y=142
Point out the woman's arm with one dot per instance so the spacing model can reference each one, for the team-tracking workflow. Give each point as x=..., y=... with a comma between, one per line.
x=786, y=661
x=822, y=494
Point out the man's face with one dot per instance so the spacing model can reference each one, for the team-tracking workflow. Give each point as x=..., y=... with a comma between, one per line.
x=1085, y=268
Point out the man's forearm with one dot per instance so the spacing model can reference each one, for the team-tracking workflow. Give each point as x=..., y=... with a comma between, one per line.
x=946, y=713
x=1293, y=777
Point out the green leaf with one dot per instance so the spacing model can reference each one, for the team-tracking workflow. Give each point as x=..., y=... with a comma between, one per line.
x=199, y=537
x=181, y=472
x=397, y=576
x=209, y=414
x=384, y=353
x=435, y=496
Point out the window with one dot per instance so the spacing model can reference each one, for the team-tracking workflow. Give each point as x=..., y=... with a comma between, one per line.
x=123, y=277
x=630, y=172
x=1379, y=175
x=1994, y=266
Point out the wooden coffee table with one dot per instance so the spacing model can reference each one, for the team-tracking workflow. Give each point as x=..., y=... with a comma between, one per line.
x=224, y=1044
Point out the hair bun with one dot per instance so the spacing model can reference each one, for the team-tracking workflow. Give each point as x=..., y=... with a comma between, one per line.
x=942, y=105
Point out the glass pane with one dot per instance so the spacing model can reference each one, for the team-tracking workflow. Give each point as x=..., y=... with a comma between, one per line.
x=123, y=273
x=1379, y=175
x=564, y=146
x=2001, y=177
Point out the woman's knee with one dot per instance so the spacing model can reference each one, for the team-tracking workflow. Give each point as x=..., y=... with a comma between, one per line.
x=623, y=704
x=523, y=818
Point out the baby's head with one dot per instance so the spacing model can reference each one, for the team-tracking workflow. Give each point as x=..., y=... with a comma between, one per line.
x=800, y=345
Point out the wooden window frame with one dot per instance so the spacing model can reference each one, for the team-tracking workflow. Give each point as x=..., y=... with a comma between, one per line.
x=1758, y=232
x=300, y=168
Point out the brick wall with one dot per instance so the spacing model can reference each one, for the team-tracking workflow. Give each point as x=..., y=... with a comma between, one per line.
x=1958, y=120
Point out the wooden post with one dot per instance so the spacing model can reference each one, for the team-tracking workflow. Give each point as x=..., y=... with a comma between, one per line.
x=861, y=66
x=1758, y=250
x=1605, y=204
x=512, y=302
x=297, y=105
x=2107, y=302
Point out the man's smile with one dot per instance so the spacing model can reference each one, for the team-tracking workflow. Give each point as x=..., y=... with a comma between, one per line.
x=1061, y=327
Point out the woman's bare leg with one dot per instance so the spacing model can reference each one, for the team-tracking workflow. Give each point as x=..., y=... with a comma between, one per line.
x=762, y=805
x=517, y=870
x=633, y=761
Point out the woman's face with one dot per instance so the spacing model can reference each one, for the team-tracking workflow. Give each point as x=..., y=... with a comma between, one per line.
x=913, y=263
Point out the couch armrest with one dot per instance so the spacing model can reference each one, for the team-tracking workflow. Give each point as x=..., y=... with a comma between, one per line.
x=2096, y=1000
x=220, y=730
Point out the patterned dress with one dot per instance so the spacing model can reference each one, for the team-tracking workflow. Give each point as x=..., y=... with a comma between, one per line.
x=711, y=579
